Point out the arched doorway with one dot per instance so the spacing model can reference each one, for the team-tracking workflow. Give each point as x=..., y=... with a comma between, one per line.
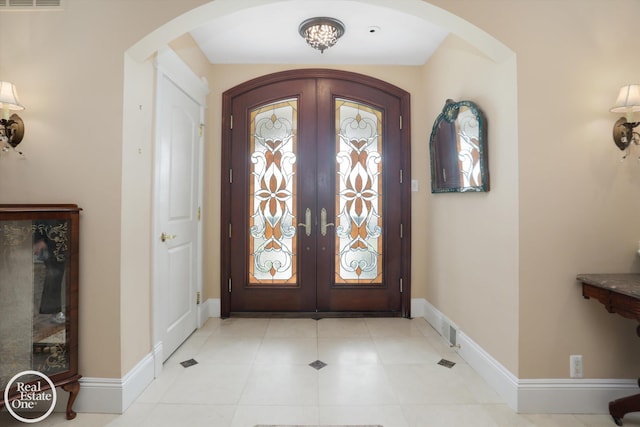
x=317, y=211
x=138, y=84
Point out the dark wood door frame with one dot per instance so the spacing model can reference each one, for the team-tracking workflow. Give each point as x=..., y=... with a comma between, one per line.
x=405, y=257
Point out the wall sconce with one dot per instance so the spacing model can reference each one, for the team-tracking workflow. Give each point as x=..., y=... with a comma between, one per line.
x=628, y=102
x=11, y=126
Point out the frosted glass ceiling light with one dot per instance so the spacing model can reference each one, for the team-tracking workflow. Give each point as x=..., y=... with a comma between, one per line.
x=628, y=102
x=11, y=127
x=321, y=33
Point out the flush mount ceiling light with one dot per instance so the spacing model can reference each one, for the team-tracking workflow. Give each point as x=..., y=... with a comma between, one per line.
x=322, y=32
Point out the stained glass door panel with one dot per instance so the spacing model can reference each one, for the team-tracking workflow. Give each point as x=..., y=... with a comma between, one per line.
x=358, y=222
x=272, y=195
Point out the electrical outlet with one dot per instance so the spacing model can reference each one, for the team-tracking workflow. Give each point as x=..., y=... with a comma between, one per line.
x=575, y=366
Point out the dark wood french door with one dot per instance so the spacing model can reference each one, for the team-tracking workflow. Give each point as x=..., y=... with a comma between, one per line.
x=315, y=195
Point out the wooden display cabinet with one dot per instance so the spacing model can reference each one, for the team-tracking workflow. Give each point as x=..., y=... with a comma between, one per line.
x=39, y=297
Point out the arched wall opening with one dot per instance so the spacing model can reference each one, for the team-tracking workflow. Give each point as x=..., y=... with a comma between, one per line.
x=439, y=281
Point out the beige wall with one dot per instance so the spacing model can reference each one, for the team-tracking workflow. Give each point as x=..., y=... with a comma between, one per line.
x=576, y=200
x=561, y=203
x=470, y=241
x=68, y=67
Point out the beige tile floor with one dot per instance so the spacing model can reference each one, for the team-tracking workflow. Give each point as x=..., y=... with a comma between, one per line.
x=379, y=371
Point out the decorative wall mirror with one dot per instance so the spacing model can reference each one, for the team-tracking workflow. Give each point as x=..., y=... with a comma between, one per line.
x=458, y=148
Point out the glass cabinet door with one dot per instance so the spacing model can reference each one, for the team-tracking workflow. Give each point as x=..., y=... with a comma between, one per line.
x=38, y=303
x=34, y=264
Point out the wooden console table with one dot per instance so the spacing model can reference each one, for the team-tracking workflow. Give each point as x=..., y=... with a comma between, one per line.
x=620, y=293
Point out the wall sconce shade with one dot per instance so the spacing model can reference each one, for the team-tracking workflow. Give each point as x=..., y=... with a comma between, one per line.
x=628, y=100
x=11, y=127
x=9, y=97
x=322, y=32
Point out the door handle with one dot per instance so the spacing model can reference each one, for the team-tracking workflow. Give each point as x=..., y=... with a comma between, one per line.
x=323, y=222
x=307, y=222
x=164, y=236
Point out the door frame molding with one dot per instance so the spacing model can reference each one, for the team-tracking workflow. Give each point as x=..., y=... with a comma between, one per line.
x=225, y=190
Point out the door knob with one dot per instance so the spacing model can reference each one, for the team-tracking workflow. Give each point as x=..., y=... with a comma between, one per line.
x=323, y=222
x=307, y=222
x=164, y=236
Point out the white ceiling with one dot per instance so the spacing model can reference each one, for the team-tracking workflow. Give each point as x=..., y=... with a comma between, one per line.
x=269, y=34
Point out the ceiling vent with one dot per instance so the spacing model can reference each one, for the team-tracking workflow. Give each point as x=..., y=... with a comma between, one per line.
x=30, y=4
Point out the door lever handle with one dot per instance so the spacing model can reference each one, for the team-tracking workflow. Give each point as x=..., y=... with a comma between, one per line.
x=323, y=222
x=307, y=222
x=164, y=236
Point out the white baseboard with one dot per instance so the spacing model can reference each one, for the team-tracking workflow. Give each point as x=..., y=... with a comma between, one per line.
x=418, y=307
x=137, y=380
x=112, y=395
x=495, y=374
x=542, y=396
x=158, y=359
x=209, y=308
x=577, y=396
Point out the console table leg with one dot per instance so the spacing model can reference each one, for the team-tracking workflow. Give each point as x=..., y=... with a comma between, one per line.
x=619, y=407
x=73, y=389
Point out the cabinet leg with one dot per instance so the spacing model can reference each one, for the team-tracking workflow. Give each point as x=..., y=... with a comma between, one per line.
x=73, y=389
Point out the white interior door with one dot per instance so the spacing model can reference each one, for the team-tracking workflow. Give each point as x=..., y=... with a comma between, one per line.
x=176, y=225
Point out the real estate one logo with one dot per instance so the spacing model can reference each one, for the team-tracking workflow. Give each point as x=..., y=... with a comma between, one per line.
x=35, y=398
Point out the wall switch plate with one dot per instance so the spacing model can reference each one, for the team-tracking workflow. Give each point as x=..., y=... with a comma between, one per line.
x=414, y=186
x=575, y=366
